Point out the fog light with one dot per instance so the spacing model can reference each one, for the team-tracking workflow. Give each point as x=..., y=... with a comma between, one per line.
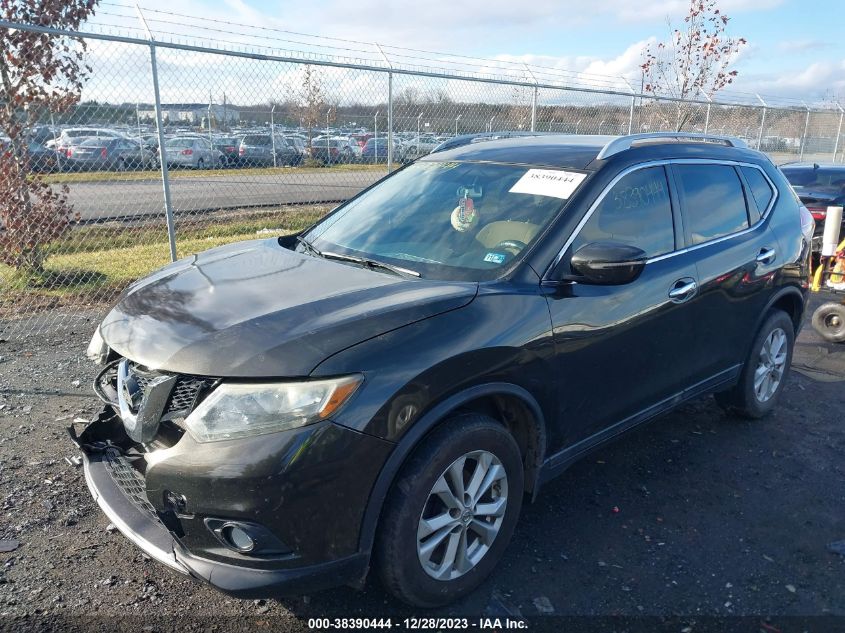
x=245, y=537
x=238, y=538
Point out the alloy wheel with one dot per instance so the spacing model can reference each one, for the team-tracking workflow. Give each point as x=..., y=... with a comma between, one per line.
x=462, y=515
x=770, y=365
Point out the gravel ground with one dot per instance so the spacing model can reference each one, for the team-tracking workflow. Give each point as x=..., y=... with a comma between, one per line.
x=699, y=515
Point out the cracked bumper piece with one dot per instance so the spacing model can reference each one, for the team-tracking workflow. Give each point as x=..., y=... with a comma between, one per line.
x=153, y=538
x=302, y=519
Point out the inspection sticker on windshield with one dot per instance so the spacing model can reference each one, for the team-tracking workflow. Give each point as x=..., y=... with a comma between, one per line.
x=494, y=258
x=548, y=182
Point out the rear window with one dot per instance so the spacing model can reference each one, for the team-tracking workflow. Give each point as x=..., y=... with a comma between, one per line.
x=180, y=143
x=824, y=179
x=761, y=190
x=714, y=205
x=256, y=139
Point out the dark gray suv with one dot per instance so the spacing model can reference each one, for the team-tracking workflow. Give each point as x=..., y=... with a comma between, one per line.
x=384, y=389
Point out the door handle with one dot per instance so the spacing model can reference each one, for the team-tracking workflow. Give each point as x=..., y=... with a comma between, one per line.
x=766, y=256
x=683, y=289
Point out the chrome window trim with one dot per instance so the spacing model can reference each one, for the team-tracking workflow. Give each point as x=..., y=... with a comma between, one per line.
x=674, y=161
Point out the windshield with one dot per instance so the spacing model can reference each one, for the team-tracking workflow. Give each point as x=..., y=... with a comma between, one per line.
x=448, y=220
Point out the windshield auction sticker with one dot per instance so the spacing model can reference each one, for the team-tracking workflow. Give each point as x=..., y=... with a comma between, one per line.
x=548, y=182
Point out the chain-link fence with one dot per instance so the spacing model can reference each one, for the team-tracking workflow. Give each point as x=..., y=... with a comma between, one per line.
x=258, y=144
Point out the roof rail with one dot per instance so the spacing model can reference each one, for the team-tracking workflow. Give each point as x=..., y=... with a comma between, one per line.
x=622, y=143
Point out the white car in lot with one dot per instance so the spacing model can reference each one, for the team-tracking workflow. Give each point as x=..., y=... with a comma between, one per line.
x=192, y=151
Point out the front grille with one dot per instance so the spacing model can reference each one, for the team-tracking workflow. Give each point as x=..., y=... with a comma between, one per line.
x=183, y=398
x=130, y=482
x=184, y=394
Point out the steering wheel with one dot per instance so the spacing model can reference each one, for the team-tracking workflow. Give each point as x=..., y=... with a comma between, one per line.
x=512, y=246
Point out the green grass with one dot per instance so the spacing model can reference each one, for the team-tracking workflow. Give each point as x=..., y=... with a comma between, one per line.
x=92, y=264
x=121, y=176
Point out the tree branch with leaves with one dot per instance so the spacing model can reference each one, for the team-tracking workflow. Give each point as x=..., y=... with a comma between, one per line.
x=39, y=73
x=695, y=61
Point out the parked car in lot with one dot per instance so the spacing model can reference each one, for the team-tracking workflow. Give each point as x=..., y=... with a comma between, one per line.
x=257, y=150
x=42, y=159
x=333, y=150
x=229, y=147
x=73, y=135
x=420, y=146
x=818, y=187
x=120, y=154
x=192, y=151
x=383, y=389
x=375, y=151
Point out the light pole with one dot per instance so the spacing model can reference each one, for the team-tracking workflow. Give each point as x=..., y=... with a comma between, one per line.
x=601, y=126
x=577, y=124
x=273, y=132
x=457, y=118
x=491, y=122
x=375, y=136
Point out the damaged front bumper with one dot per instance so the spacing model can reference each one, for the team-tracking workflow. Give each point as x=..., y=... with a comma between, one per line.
x=165, y=534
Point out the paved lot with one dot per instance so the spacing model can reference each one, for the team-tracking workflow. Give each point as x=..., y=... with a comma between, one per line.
x=235, y=190
x=699, y=514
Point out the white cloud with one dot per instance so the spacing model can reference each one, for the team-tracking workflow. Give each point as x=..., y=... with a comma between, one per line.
x=802, y=46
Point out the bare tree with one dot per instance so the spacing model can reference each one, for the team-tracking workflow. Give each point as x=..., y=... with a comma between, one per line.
x=312, y=102
x=39, y=72
x=695, y=61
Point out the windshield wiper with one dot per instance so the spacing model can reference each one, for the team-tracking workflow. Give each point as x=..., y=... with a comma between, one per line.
x=372, y=263
x=309, y=246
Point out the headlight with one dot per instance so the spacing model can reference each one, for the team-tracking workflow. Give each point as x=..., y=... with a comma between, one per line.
x=97, y=351
x=240, y=409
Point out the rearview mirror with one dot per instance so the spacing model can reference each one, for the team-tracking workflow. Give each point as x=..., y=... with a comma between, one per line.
x=607, y=263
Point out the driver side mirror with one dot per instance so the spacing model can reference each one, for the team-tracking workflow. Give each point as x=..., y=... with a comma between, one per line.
x=607, y=263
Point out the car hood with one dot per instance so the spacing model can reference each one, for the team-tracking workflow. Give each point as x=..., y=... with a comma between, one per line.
x=255, y=309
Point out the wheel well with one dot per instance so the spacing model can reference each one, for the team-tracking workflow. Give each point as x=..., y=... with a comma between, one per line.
x=527, y=430
x=793, y=305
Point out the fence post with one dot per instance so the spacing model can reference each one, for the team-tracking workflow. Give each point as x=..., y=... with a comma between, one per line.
x=707, y=115
x=804, y=134
x=389, y=122
x=162, y=155
x=838, y=132
x=389, y=109
x=631, y=108
x=533, y=98
x=762, y=123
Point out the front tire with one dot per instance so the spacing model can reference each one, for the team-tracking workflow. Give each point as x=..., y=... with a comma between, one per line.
x=451, y=512
x=765, y=371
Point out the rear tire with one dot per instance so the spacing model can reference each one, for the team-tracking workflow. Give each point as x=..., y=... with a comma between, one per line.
x=765, y=370
x=440, y=535
x=829, y=322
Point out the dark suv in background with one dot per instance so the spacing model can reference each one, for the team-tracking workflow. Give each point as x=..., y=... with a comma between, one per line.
x=818, y=187
x=384, y=389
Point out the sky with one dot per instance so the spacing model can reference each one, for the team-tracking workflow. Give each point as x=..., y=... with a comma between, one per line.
x=795, y=49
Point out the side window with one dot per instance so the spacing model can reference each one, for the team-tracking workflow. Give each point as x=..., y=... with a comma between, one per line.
x=761, y=190
x=636, y=211
x=714, y=204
